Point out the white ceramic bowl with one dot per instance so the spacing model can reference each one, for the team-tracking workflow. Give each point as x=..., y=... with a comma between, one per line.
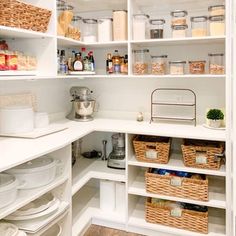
x=16, y=119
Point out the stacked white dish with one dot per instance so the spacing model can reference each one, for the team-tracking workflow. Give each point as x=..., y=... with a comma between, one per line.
x=7, y=229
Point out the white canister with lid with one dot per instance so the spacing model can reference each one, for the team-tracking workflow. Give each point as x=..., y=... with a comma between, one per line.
x=120, y=26
x=105, y=30
x=16, y=119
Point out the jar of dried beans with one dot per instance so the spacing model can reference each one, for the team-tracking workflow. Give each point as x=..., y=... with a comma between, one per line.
x=141, y=60
x=158, y=65
x=197, y=67
x=179, y=17
x=216, y=63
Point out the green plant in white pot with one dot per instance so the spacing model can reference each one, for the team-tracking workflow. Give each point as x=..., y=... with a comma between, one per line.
x=215, y=117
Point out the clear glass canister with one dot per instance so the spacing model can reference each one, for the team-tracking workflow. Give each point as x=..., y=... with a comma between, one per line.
x=158, y=66
x=217, y=25
x=179, y=17
x=74, y=29
x=141, y=61
x=105, y=29
x=179, y=31
x=90, y=30
x=140, y=26
x=216, y=10
x=199, y=26
x=157, y=28
x=197, y=67
x=216, y=63
x=177, y=67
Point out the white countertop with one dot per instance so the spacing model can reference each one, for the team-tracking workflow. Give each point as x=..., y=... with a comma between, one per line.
x=14, y=151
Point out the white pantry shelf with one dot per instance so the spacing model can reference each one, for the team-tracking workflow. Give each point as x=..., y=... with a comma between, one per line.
x=137, y=219
x=186, y=76
x=216, y=199
x=86, y=169
x=26, y=196
x=11, y=32
x=179, y=41
x=176, y=163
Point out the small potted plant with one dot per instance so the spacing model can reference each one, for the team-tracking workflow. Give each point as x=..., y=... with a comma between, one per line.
x=215, y=117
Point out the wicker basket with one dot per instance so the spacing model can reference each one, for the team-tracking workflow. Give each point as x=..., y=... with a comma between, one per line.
x=18, y=14
x=188, y=220
x=152, y=149
x=203, y=154
x=176, y=186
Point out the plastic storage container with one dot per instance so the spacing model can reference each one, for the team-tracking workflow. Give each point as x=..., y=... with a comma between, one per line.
x=141, y=61
x=140, y=26
x=74, y=29
x=157, y=28
x=216, y=10
x=179, y=17
x=90, y=30
x=177, y=67
x=179, y=31
x=158, y=65
x=120, y=25
x=216, y=63
x=199, y=26
x=105, y=29
x=217, y=25
x=197, y=67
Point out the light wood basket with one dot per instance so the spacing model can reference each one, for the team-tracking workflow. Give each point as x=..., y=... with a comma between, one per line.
x=189, y=220
x=176, y=186
x=159, y=147
x=212, y=152
x=18, y=14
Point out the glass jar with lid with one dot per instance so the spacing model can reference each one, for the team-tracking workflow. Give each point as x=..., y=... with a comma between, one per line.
x=158, y=65
x=179, y=31
x=199, y=26
x=140, y=26
x=90, y=30
x=197, y=67
x=105, y=29
x=141, y=61
x=216, y=10
x=177, y=67
x=216, y=63
x=217, y=25
x=179, y=17
x=120, y=25
x=157, y=28
x=74, y=29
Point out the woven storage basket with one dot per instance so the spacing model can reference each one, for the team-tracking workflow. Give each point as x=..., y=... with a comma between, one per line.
x=189, y=220
x=202, y=154
x=152, y=149
x=18, y=14
x=176, y=186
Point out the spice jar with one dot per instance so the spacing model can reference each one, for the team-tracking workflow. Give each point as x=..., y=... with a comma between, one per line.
x=199, y=26
x=217, y=25
x=120, y=25
x=140, y=26
x=105, y=30
x=216, y=10
x=157, y=28
x=177, y=67
x=179, y=17
x=90, y=30
x=141, y=59
x=197, y=67
x=216, y=63
x=158, y=66
x=179, y=31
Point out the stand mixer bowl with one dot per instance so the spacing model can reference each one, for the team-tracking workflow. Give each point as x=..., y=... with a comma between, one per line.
x=84, y=109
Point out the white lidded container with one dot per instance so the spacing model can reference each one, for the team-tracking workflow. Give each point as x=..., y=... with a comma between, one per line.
x=120, y=25
x=105, y=31
x=35, y=173
x=8, y=189
x=16, y=119
x=140, y=26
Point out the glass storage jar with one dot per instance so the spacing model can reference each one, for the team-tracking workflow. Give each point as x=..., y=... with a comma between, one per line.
x=120, y=25
x=105, y=29
x=217, y=25
x=177, y=67
x=74, y=29
x=140, y=26
x=179, y=31
x=216, y=63
x=90, y=30
x=179, y=17
x=141, y=61
x=158, y=65
x=216, y=10
x=157, y=28
x=199, y=26
x=197, y=67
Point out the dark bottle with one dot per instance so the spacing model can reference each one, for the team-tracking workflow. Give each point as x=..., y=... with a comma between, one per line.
x=109, y=64
x=78, y=63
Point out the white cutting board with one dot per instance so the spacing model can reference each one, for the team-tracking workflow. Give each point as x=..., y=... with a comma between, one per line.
x=39, y=132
